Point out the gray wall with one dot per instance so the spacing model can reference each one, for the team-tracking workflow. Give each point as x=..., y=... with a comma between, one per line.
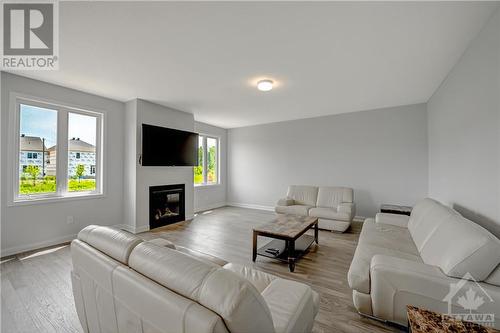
x=464, y=132
x=40, y=224
x=382, y=154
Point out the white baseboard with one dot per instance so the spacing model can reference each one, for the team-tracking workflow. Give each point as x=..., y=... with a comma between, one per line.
x=251, y=206
x=208, y=207
x=63, y=239
x=271, y=209
x=35, y=246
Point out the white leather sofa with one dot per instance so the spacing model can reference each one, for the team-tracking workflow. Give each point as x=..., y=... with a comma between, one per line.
x=414, y=260
x=333, y=206
x=122, y=284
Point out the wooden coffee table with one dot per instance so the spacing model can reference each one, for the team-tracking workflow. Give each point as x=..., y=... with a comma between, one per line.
x=289, y=238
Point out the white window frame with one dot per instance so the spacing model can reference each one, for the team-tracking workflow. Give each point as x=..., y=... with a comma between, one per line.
x=62, y=192
x=205, y=154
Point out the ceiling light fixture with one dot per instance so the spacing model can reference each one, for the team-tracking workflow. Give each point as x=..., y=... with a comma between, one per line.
x=265, y=85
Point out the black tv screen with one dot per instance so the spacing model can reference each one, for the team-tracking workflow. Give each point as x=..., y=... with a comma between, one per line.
x=163, y=146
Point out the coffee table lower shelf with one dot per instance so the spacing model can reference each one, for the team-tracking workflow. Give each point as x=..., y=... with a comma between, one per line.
x=302, y=245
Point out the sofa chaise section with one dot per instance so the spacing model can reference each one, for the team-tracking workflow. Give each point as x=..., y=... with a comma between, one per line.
x=335, y=208
x=415, y=260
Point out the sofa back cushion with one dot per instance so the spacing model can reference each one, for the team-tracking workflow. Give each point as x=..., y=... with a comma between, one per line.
x=111, y=297
x=116, y=243
x=332, y=196
x=237, y=301
x=303, y=195
x=142, y=305
x=494, y=277
x=425, y=218
x=459, y=246
x=455, y=244
x=232, y=297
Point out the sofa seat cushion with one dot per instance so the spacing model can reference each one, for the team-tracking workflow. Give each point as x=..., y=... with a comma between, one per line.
x=377, y=238
x=333, y=225
x=260, y=280
x=329, y=213
x=293, y=305
x=301, y=210
x=387, y=235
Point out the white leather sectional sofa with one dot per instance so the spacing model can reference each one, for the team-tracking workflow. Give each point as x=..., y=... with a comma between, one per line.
x=122, y=284
x=333, y=206
x=415, y=260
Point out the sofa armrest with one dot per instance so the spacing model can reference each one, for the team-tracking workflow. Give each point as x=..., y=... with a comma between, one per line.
x=347, y=207
x=293, y=305
x=285, y=202
x=396, y=283
x=393, y=219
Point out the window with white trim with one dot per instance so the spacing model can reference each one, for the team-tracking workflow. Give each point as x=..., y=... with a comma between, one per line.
x=207, y=171
x=58, y=151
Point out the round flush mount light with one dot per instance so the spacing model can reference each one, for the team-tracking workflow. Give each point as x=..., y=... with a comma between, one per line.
x=265, y=85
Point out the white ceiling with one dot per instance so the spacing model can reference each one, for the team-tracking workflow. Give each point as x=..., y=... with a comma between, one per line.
x=205, y=58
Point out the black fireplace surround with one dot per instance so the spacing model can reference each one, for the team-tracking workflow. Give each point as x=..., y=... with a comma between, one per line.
x=166, y=205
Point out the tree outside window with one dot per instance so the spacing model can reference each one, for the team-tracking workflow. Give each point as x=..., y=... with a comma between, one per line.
x=198, y=170
x=212, y=160
x=206, y=172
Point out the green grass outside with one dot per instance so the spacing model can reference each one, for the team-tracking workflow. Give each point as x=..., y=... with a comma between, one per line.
x=198, y=176
x=198, y=179
x=49, y=186
x=82, y=185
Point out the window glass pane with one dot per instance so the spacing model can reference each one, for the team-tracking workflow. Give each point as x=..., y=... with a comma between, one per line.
x=198, y=170
x=82, y=130
x=211, y=160
x=38, y=136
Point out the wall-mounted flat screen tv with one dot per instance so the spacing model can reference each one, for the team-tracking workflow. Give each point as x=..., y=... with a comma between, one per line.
x=163, y=146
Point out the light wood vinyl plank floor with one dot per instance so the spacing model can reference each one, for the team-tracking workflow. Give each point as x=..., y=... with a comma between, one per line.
x=36, y=286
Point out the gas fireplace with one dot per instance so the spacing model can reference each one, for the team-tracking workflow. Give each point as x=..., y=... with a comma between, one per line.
x=166, y=205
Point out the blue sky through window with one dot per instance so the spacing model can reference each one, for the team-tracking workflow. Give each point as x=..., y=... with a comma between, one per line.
x=42, y=122
x=39, y=122
x=83, y=127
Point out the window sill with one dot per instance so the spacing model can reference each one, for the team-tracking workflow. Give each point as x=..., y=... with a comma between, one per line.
x=54, y=199
x=207, y=185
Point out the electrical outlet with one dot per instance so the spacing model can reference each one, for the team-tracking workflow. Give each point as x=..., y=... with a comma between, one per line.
x=70, y=219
